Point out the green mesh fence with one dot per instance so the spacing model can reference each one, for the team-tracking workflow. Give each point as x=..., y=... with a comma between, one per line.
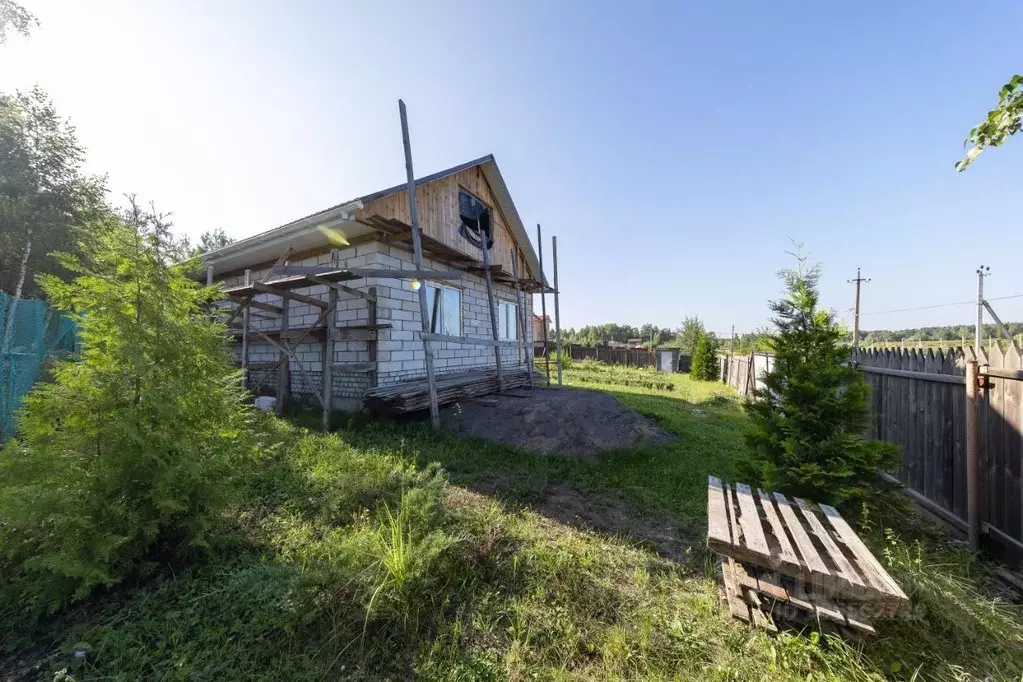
x=30, y=332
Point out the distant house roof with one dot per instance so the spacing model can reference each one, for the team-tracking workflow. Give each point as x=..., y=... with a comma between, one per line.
x=307, y=226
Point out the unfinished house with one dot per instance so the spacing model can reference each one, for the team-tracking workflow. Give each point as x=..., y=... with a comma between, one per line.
x=327, y=306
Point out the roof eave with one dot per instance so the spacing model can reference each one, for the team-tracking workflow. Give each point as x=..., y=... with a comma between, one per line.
x=333, y=215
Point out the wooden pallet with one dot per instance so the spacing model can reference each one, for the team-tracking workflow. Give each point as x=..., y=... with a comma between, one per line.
x=766, y=531
x=765, y=598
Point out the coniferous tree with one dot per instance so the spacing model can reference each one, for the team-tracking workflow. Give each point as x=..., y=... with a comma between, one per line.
x=135, y=443
x=705, y=360
x=810, y=417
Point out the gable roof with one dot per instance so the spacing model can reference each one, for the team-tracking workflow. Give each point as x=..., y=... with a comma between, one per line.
x=307, y=225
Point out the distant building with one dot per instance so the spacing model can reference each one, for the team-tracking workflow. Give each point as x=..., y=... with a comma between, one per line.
x=539, y=323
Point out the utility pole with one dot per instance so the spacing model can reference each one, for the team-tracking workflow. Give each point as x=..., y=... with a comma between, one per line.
x=856, y=311
x=978, y=339
x=731, y=350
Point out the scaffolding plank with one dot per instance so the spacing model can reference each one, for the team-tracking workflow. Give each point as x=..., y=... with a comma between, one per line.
x=272, y=335
x=467, y=340
x=269, y=288
x=244, y=300
x=382, y=273
x=337, y=286
x=293, y=282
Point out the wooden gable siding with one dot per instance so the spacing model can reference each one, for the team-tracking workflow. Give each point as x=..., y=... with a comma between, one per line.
x=438, y=215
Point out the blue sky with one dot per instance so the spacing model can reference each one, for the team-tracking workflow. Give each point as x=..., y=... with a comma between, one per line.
x=674, y=149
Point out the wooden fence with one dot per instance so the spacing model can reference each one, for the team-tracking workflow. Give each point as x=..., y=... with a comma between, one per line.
x=741, y=372
x=629, y=357
x=918, y=402
x=925, y=414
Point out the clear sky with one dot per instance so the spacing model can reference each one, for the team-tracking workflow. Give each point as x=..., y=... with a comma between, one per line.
x=673, y=148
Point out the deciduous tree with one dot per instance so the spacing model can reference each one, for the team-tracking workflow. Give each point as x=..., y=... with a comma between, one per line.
x=15, y=19
x=44, y=195
x=210, y=240
x=689, y=334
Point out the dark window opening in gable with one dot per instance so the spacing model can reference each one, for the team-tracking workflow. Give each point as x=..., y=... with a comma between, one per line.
x=475, y=217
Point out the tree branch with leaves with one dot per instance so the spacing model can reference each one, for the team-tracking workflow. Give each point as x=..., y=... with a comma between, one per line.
x=1001, y=123
x=15, y=19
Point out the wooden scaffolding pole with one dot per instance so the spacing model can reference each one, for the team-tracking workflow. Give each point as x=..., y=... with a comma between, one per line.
x=543, y=305
x=521, y=305
x=245, y=337
x=284, y=365
x=417, y=244
x=493, y=313
x=327, y=361
x=557, y=310
x=372, y=347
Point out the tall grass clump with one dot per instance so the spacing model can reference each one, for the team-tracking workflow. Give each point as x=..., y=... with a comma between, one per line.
x=955, y=625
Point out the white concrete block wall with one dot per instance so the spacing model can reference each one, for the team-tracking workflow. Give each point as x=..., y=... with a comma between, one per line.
x=400, y=350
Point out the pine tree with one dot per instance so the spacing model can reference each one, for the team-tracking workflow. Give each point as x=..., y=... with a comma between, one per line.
x=135, y=443
x=705, y=360
x=810, y=416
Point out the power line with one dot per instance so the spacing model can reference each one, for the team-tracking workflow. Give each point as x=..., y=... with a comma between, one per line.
x=940, y=305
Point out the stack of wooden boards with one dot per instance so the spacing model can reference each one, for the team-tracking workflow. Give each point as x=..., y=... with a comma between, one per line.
x=412, y=396
x=780, y=561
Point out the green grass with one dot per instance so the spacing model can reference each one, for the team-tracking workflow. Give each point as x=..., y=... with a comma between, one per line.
x=388, y=551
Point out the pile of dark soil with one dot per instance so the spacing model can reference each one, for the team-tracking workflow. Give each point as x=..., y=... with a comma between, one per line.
x=573, y=421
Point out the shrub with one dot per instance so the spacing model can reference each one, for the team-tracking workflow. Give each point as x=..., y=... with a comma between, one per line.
x=705, y=360
x=808, y=420
x=566, y=358
x=133, y=446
